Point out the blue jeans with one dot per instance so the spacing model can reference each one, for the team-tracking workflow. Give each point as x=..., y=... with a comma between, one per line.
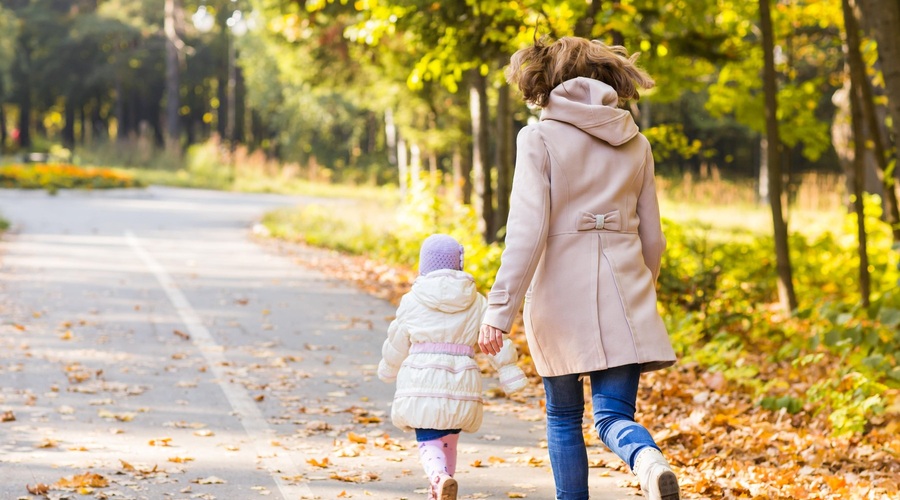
x=432, y=434
x=614, y=392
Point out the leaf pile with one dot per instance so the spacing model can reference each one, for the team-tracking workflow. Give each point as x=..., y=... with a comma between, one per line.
x=720, y=440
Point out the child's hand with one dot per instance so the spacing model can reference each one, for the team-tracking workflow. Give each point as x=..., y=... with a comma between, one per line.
x=490, y=339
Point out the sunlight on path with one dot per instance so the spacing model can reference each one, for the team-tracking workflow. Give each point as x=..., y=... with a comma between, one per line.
x=254, y=423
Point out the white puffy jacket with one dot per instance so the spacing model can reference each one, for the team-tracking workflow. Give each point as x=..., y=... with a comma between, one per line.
x=429, y=353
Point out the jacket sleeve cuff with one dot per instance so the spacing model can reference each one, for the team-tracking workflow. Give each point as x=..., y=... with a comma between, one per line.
x=497, y=314
x=512, y=379
x=385, y=374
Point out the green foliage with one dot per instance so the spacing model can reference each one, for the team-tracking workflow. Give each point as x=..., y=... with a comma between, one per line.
x=4, y=224
x=668, y=141
x=207, y=163
x=715, y=293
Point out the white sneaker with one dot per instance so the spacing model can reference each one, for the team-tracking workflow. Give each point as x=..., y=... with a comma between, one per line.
x=444, y=488
x=658, y=482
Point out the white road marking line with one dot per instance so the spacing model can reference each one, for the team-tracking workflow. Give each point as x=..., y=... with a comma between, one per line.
x=277, y=464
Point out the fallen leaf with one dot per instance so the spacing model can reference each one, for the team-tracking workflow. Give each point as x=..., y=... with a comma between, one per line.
x=361, y=477
x=160, y=442
x=209, y=480
x=477, y=463
x=356, y=438
x=8, y=416
x=19, y=327
x=121, y=417
x=38, y=489
x=46, y=443
x=515, y=494
x=204, y=433
x=496, y=460
x=126, y=466
x=181, y=334
x=318, y=463
x=180, y=460
x=86, y=480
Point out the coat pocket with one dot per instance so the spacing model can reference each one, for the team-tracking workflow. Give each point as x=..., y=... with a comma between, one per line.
x=498, y=298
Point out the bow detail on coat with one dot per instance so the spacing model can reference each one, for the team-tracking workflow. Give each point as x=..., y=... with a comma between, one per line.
x=611, y=221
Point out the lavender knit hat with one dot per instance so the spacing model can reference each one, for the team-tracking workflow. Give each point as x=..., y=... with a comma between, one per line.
x=440, y=251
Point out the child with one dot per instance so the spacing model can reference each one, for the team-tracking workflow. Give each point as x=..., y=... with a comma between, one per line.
x=429, y=353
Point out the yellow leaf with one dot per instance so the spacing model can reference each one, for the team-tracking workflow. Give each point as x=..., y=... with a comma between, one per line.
x=160, y=442
x=356, y=438
x=496, y=460
x=318, y=463
x=477, y=463
x=181, y=460
x=46, y=443
x=87, y=479
x=515, y=494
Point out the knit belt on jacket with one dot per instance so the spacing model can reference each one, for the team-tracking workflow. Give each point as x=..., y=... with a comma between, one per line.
x=442, y=348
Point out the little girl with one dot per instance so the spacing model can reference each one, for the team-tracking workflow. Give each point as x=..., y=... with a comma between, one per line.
x=429, y=353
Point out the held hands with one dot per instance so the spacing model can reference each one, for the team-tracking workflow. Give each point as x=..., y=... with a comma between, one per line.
x=490, y=339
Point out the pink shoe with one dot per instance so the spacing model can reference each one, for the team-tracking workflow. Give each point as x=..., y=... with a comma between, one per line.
x=444, y=487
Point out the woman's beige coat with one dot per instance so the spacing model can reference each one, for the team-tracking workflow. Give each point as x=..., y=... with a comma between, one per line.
x=584, y=233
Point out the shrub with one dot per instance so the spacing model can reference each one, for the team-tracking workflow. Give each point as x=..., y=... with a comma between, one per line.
x=53, y=177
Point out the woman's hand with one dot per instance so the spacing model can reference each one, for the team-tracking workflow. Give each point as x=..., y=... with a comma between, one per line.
x=490, y=339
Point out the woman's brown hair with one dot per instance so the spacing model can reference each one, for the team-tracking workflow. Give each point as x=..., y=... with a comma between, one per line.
x=538, y=69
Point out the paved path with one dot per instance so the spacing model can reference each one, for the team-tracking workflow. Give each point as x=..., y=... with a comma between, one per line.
x=145, y=338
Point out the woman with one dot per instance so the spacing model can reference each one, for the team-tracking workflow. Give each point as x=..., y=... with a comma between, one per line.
x=583, y=248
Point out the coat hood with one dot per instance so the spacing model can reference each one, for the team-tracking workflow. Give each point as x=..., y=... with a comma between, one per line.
x=447, y=290
x=591, y=105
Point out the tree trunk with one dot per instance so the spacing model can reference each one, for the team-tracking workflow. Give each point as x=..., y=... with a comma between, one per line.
x=763, y=188
x=68, y=131
x=505, y=155
x=172, y=80
x=857, y=79
x=415, y=166
x=483, y=202
x=456, y=169
x=25, y=118
x=3, y=133
x=858, y=74
x=782, y=253
x=884, y=19
x=585, y=26
x=82, y=122
x=402, y=166
x=390, y=136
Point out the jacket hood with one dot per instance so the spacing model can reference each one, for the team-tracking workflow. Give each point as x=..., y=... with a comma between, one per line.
x=447, y=290
x=591, y=105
